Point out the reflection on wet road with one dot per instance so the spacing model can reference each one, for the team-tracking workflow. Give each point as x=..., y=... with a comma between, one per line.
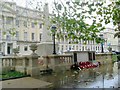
x=101, y=77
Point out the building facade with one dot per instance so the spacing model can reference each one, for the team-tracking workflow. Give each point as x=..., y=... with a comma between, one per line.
x=111, y=42
x=20, y=27
x=108, y=36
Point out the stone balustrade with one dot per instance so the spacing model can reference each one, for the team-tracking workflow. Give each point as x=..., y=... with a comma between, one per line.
x=31, y=64
x=7, y=63
x=58, y=62
x=25, y=64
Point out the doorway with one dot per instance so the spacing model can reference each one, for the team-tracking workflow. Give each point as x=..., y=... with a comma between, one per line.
x=9, y=48
x=75, y=57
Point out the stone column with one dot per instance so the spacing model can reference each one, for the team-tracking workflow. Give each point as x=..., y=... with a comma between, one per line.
x=46, y=33
x=33, y=69
x=46, y=46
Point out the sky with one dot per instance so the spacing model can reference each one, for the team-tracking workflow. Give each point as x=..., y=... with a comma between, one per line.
x=27, y=3
x=19, y=2
x=23, y=2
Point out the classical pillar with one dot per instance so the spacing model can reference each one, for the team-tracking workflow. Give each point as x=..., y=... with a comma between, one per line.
x=5, y=48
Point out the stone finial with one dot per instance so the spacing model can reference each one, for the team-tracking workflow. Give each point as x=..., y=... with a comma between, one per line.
x=109, y=49
x=33, y=47
x=15, y=51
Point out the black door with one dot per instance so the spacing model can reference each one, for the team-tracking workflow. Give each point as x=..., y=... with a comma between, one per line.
x=75, y=57
x=90, y=56
x=8, y=49
x=93, y=55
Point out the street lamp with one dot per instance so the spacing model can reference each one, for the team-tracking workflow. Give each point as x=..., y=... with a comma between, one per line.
x=102, y=50
x=53, y=31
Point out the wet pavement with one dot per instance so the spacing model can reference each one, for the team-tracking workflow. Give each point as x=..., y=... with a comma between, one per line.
x=105, y=76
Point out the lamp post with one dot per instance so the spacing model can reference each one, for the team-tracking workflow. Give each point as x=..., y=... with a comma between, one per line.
x=102, y=50
x=53, y=31
x=103, y=75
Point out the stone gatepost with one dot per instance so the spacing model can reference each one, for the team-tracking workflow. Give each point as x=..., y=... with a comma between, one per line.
x=32, y=68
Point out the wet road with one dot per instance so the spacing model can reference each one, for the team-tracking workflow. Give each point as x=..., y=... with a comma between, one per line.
x=101, y=77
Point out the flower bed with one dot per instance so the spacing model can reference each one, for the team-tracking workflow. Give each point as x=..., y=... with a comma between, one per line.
x=83, y=65
x=87, y=64
x=12, y=75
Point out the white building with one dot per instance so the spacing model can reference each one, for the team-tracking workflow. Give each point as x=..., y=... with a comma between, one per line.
x=112, y=42
x=19, y=27
x=108, y=35
x=26, y=27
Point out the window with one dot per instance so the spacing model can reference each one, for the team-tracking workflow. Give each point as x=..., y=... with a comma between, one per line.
x=9, y=20
x=96, y=47
x=33, y=36
x=25, y=36
x=32, y=25
x=40, y=25
x=69, y=47
x=86, y=48
x=17, y=22
x=83, y=48
x=76, y=47
x=17, y=35
x=25, y=48
x=25, y=23
x=40, y=36
x=62, y=47
x=73, y=47
x=66, y=47
x=8, y=37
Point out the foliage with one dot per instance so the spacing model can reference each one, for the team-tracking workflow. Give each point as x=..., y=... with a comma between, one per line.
x=111, y=14
x=11, y=31
x=71, y=19
x=114, y=57
x=11, y=75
